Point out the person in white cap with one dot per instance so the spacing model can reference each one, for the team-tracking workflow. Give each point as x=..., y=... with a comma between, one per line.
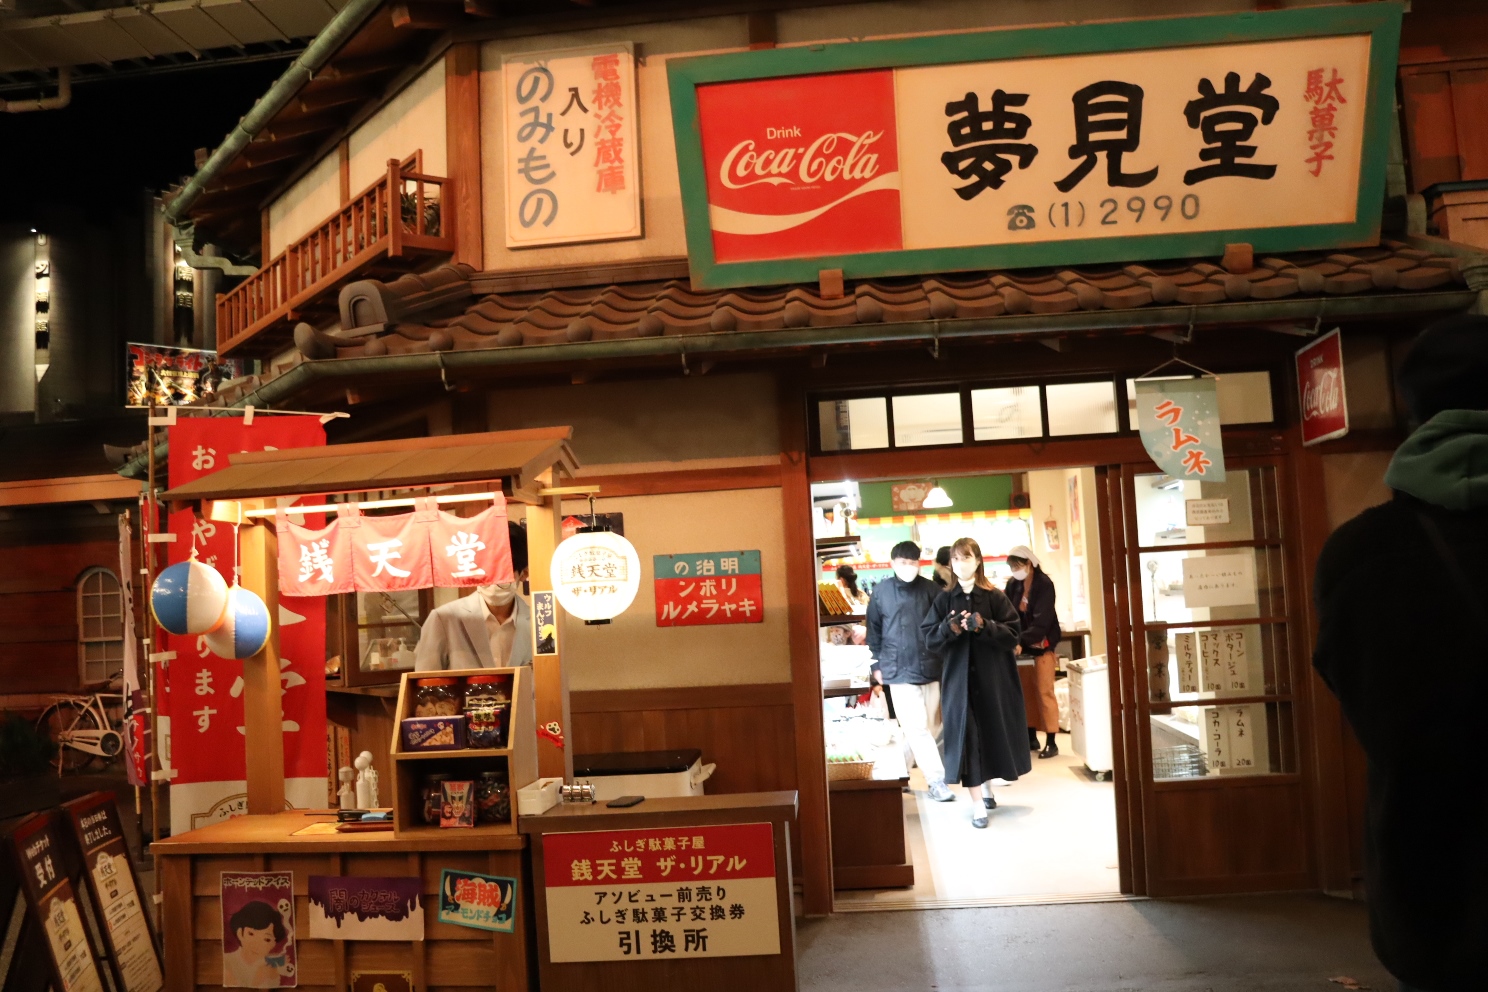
x=1032, y=592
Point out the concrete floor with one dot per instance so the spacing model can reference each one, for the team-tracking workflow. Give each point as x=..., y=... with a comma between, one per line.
x=1266, y=943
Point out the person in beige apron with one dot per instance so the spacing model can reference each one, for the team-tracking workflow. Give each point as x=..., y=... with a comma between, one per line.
x=1032, y=592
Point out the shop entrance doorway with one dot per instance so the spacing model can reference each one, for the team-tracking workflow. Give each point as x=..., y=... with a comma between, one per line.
x=1054, y=835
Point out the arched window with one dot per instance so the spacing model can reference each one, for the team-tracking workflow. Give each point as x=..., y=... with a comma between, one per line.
x=100, y=625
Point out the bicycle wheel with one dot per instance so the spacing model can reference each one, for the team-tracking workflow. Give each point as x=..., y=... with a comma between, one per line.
x=58, y=721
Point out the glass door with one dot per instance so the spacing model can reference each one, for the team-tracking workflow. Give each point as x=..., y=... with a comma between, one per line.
x=1202, y=595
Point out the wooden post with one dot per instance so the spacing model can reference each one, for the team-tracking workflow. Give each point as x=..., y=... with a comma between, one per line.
x=550, y=679
x=395, y=208
x=263, y=713
x=462, y=152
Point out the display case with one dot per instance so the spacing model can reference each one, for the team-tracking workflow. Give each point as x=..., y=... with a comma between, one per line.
x=446, y=759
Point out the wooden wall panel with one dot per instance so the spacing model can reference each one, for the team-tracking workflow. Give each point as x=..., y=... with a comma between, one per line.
x=1188, y=853
x=38, y=609
x=1430, y=128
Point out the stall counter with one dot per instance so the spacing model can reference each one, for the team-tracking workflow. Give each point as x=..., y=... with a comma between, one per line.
x=449, y=955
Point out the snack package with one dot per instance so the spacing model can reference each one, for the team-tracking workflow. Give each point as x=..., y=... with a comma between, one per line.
x=433, y=733
x=459, y=805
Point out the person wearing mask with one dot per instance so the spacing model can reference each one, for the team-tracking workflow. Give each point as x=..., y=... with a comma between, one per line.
x=1032, y=593
x=1426, y=866
x=490, y=628
x=975, y=628
x=943, y=575
x=847, y=582
x=905, y=664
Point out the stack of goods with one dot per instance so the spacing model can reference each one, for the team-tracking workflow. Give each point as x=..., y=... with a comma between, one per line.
x=454, y=714
x=847, y=763
x=834, y=604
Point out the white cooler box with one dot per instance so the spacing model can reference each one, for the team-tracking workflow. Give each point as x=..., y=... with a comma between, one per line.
x=653, y=774
x=1090, y=712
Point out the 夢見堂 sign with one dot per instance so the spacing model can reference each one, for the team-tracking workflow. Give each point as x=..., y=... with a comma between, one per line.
x=1146, y=139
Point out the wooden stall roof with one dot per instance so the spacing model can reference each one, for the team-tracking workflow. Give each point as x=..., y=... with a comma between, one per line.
x=383, y=465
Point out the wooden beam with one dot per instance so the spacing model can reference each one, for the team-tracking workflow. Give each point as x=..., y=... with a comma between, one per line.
x=67, y=489
x=314, y=99
x=298, y=128
x=365, y=65
x=278, y=151
x=246, y=178
x=415, y=16
x=263, y=715
x=462, y=149
x=263, y=238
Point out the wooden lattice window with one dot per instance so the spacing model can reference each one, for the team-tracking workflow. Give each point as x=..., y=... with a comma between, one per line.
x=100, y=611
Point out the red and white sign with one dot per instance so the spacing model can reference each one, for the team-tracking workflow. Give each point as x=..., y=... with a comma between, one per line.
x=1324, y=401
x=801, y=167
x=676, y=892
x=405, y=551
x=205, y=692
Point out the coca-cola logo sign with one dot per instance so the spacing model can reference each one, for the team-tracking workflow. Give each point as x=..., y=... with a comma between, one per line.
x=801, y=166
x=1320, y=385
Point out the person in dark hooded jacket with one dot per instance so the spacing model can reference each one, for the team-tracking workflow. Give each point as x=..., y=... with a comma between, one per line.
x=1426, y=860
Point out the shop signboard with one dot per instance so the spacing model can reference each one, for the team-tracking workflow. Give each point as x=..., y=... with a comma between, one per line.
x=1219, y=580
x=571, y=158
x=674, y=892
x=1320, y=385
x=1040, y=146
x=204, y=713
x=109, y=875
x=1179, y=423
x=481, y=902
x=714, y=587
x=159, y=375
x=49, y=889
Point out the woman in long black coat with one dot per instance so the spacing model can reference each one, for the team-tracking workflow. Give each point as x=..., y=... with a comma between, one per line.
x=975, y=627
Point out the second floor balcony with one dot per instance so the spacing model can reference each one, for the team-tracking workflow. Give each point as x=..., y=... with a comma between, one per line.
x=392, y=226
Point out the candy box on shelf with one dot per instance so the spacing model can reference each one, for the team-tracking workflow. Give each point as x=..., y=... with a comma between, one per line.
x=433, y=733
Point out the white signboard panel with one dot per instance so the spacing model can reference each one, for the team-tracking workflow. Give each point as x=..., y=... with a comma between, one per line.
x=1219, y=580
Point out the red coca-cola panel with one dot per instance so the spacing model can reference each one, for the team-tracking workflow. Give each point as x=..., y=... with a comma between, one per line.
x=1320, y=380
x=801, y=166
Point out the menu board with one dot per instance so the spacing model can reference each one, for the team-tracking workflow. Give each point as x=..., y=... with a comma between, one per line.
x=115, y=889
x=49, y=892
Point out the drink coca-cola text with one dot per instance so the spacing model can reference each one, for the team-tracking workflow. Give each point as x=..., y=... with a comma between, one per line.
x=832, y=156
x=1322, y=397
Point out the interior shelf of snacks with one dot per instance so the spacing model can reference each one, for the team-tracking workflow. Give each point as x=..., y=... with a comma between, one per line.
x=466, y=742
x=475, y=731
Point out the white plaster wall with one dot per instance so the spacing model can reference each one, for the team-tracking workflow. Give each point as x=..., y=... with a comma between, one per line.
x=412, y=120
x=305, y=204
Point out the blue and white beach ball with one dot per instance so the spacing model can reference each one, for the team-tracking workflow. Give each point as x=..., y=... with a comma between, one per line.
x=245, y=626
x=188, y=598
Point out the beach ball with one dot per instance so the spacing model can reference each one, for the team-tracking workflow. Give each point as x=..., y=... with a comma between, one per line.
x=188, y=598
x=245, y=626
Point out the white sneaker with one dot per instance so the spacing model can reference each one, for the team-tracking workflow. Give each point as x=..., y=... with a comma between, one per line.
x=940, y=793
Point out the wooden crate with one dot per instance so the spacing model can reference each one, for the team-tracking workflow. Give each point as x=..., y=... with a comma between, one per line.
x=519, y=757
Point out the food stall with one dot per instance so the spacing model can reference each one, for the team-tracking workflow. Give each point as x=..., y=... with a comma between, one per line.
x=452, y=886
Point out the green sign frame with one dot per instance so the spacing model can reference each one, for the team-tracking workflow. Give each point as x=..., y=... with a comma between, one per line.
x=1380, y=20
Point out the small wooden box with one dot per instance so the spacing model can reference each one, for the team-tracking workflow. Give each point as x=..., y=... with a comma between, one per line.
x=519, y=757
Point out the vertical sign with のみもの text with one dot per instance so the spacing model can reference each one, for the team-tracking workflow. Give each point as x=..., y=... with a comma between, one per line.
x=673, y=892
x=712, y=587
x=570, y=152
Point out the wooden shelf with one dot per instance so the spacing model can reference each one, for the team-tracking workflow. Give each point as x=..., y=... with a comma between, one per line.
x=842, y=619
x=518, y=758
x=458, y=752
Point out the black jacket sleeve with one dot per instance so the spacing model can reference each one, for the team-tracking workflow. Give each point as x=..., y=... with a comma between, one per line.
x=1002, y=627
x=875, y=623
x=1040, y=621
x=937, y=624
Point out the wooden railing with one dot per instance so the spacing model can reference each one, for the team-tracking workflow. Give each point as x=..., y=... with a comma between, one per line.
x=403, y=213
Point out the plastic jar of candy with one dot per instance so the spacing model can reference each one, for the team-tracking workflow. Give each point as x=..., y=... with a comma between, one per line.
x=432, y=794
x=492, y=798
x=487, y=710
x=436, y=697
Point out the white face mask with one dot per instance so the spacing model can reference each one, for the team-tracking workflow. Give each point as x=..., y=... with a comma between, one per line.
x=1021, y=574
x=964, y=568
x=500, y=593
x=906, y=572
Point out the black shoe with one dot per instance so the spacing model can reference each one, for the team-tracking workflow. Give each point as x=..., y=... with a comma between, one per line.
x=989, y=802
x=980, y=822
x=1050, y=750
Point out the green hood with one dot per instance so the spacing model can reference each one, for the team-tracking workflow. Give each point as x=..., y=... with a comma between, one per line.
x=1445, y=462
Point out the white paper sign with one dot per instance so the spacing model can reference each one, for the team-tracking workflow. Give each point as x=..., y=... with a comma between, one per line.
x=1217, y=739
x=1209, y=653
x=1188, y=662
x=1206, y=512
x=1219, y=580
x=1240, y=727
x=570, y=152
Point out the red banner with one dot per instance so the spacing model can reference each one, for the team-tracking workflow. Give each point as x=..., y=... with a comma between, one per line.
x=206, y=691
x=471, y=551
x=389, y=553
x=802, y=166
x=313, y=562
x=1320, y=382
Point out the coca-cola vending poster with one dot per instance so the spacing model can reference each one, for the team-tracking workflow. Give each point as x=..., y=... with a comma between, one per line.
x=1321, y=388
x=801, y=167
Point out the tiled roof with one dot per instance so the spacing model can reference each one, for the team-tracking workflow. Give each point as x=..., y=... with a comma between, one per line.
x=438, y=311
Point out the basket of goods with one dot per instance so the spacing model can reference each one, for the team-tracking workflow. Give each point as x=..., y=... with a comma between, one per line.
x=834, y=604
x=846, y=766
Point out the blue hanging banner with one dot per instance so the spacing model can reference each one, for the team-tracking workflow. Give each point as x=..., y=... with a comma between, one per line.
x=1179, y=422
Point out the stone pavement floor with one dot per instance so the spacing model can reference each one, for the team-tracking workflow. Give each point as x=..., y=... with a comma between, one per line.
x=1268, y=943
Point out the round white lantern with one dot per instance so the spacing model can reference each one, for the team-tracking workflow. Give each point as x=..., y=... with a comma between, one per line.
x=596, y=575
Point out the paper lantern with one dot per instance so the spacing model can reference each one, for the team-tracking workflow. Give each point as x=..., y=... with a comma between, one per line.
x=245, y=626
x=596, y=574
x=188, y=598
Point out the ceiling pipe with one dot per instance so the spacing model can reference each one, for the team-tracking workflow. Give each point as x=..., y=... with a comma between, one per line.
x=62, y=99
